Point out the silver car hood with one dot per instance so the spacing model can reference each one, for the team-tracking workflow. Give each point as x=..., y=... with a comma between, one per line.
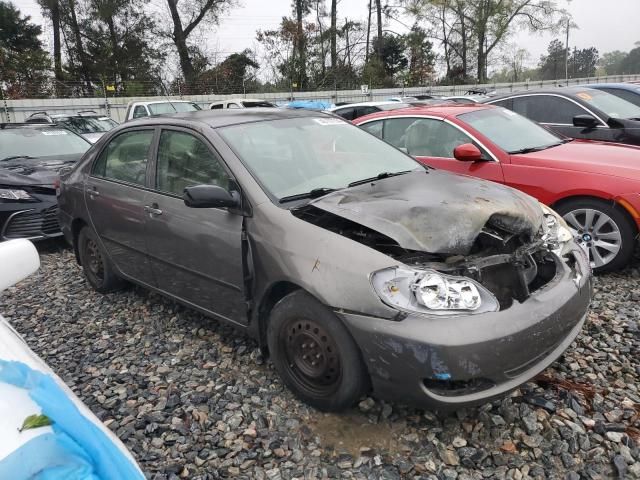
x=435, y=211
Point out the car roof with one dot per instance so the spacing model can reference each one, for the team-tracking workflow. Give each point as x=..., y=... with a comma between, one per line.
x=621, y=86
x=150, y=102
x=227, y=117
x=365, y=104
x=7, y=126
x=564, y=91
x=242, y=100
x=443, y=110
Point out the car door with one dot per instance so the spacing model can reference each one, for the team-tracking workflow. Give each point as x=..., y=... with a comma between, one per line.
x=115, y=194
x=432, y=141
x=196, y=253
x=557, y=113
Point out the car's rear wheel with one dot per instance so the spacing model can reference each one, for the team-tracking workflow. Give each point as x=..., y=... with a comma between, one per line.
x=315, y=354
x=603, y=230
x=96, y=265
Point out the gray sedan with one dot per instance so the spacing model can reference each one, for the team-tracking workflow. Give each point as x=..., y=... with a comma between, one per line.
x=355, y=267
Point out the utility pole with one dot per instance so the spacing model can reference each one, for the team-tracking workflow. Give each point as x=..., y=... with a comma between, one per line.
x=566, y=55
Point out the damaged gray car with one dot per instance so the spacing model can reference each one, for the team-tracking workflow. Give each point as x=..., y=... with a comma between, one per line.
x=354, y=266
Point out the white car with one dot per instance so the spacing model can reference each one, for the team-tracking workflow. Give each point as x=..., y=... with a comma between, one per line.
x=159, y=107
x=352, y=111
x=241, y=103
x=45, y=430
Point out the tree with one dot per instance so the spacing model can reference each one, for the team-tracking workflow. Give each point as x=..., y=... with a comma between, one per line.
x=552, y=64
x=582, y=62
x=334, y=34
x=514, y=58
x=631, y=63
x=197, y=11
x=420, y=56
x=51, y=9
x=23, y=62
x=230, y=75
x=611, y=62
x=485, y=24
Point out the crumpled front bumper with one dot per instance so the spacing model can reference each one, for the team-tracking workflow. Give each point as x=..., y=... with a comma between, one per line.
x=451, y=362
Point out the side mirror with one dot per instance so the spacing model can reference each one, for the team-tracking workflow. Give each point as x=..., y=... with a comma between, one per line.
x=585, y=121
x=467, y=152
x=209, y=196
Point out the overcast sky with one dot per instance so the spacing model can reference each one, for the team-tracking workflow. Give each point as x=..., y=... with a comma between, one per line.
x=606, y=24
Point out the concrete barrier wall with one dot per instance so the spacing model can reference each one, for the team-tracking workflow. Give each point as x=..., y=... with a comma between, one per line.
x=115, y=107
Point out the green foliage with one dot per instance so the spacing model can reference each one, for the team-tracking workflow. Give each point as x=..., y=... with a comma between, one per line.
x=23, y=63
x=35, y=421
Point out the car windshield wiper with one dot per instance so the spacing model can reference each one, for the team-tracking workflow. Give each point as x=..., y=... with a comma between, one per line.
x=315, y=193
x=15, y=157
x=380, y=176
x=538, y=149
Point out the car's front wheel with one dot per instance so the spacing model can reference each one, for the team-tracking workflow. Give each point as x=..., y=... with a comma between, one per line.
x=603, y=230
x=315, y=354
x=96, y=265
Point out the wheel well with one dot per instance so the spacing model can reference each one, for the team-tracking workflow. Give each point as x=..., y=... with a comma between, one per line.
x=76, y=226
x=613, y=203
x=274, y=294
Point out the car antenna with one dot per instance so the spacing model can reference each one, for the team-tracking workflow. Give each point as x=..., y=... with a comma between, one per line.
x=166, y=96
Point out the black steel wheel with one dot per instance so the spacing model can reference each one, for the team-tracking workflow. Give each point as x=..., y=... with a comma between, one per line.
x=314, y=353
x=96, y=265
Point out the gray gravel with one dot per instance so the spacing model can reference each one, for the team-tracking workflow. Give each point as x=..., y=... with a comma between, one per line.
x=193, y=399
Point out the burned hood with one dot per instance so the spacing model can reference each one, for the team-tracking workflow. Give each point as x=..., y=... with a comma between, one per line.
x=34, y=171
x=435, y=211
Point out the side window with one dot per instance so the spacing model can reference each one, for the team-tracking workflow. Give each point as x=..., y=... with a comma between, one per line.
x=233, y=105
x=125, y=157
x=374, y=128
x=185, y=160
x=362, y=111
x=140, y=111
x=347, y=113
x=506, y=103
x=547, y=109
x=395, y=131
x=427, y=137
x=216, y=106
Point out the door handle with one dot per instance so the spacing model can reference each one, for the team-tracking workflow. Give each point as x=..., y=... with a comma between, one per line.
x=153, y=209
x=93, y=192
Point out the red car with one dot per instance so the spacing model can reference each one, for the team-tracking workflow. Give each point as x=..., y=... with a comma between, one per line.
x=595, y=186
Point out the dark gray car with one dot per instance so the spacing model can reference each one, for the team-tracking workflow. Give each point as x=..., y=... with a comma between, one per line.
x=354, y=266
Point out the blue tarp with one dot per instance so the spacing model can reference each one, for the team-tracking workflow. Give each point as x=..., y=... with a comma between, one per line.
x=310, y=104
x=76, y=450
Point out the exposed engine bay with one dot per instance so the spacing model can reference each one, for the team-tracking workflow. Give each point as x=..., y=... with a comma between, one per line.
x=509, y=264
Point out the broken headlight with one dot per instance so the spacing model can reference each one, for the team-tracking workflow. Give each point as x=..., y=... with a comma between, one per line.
x=555, y=232
x=431, y=292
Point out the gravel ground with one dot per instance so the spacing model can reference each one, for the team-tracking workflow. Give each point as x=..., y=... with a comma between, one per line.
x=193, y=399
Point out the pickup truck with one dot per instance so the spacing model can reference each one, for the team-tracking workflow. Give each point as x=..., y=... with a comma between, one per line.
x=158, y=107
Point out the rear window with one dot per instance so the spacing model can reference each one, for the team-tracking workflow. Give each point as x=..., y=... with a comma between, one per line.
x=40, y=142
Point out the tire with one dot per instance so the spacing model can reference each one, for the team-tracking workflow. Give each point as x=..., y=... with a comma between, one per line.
x=97, y=267
x=302, y=331
x=590, y=220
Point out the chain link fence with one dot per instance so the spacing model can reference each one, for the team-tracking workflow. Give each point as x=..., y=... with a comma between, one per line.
x=112, y=100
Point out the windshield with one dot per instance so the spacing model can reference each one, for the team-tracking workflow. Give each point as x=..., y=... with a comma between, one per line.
x=509, y=130
x=612, y=105
x=82, y=125
x=40, y=142
x=297, y=155
x=172, y=107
